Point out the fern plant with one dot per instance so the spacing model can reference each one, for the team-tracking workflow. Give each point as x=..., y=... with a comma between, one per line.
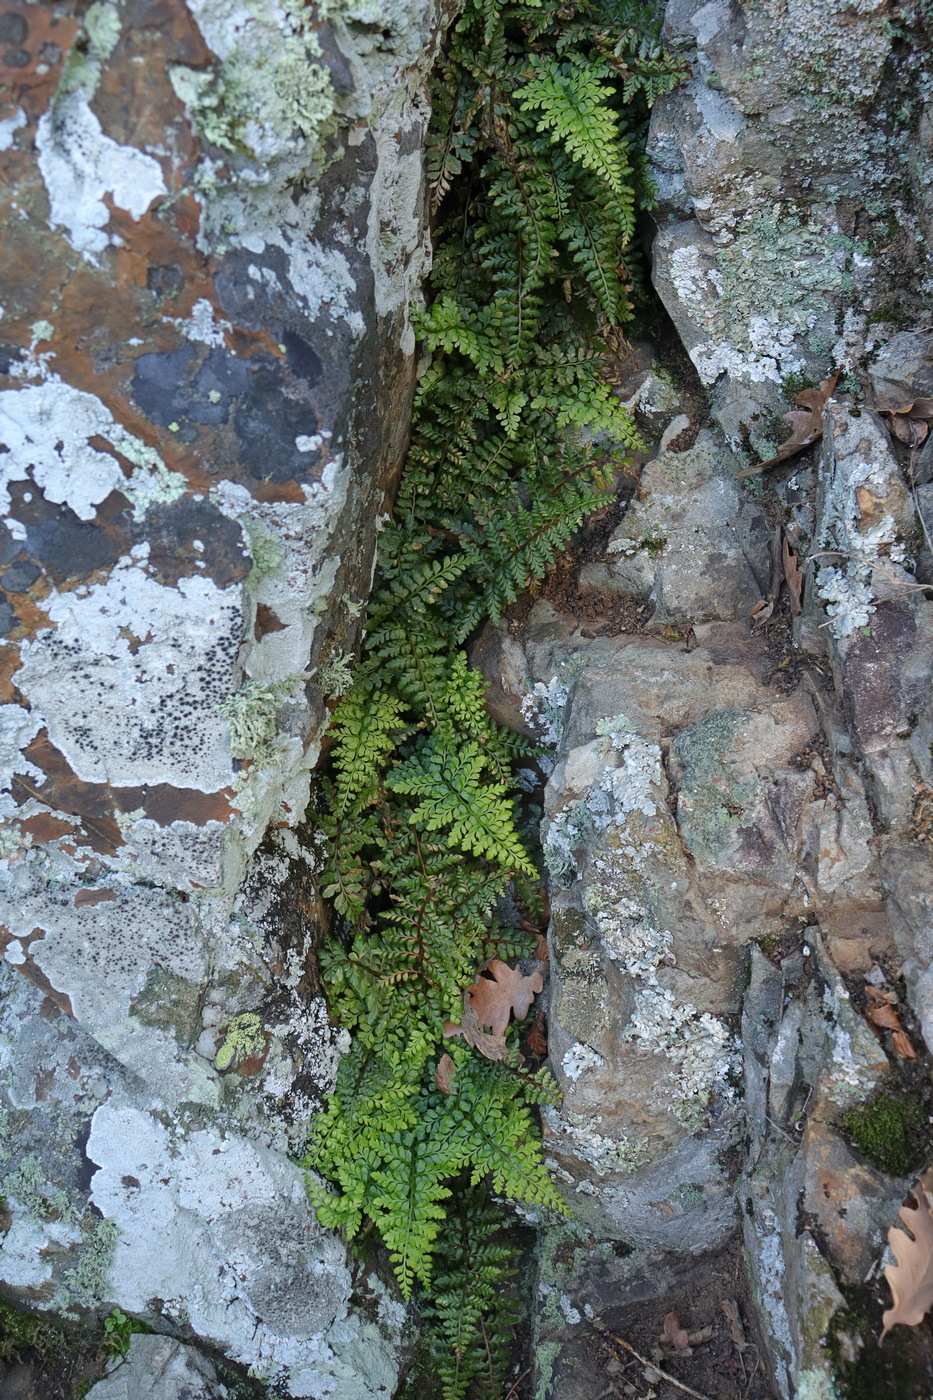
x=534, y=157
x=472, y=1308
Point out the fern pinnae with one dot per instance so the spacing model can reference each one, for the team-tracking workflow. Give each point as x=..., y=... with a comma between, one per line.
x=533, y=157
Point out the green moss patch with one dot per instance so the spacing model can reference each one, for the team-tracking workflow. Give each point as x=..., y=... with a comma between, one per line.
x=885, y=1131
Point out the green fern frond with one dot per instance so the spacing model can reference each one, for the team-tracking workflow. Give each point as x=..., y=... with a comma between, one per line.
x=534, y=160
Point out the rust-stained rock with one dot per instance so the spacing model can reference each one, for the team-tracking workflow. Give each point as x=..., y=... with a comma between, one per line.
x=213, y=226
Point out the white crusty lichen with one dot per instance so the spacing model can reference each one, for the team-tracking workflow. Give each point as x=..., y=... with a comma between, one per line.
x=580, y=1058
x=47, y=431
x=702, y=1051
x=624, y=787
x=120, y=656
x=81, y=166
x=580, y=1131
x=543, y=708
x=847, y=594
x=861, y=486
x=201, y=324
x=803, y=266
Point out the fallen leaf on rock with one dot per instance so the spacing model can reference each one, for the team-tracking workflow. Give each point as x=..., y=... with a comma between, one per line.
x=444, y=1074
x=885, y=1017
x=911, y=424
x=878, y=995
x=508, y=989
x=911, y=1278
x=901, y=1042
x=675, y=1338
x=793, y=578
x=806, y=428
x=882, y=1014
x=736, y=1332
x=783, y=570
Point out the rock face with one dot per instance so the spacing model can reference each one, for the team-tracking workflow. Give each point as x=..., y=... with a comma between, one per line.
x=213, y=225
x=793, y=174
x=721, y=786
x=158, y=1368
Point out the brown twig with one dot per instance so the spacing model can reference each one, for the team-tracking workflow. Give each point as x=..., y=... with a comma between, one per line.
x=513, y=1388
x=665, y=1375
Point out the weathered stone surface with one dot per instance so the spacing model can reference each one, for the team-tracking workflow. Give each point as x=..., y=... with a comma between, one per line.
x=701, y=801
x=177, y=1216
x=689, y=541
x=785, y=246
x=159, y=1368
x=214, y=226
x=812, y=1214
x=902, y=372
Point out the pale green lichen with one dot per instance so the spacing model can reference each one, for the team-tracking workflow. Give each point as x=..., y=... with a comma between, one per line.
x=153, y=483
x=264, y=97
x=28, y=1185
x=84, y=64
x=804, y=268
x=86, y=1285
x=251, y=714
x=714, y=803
x=336, y=678
x=244, y=1038
x=266, y=551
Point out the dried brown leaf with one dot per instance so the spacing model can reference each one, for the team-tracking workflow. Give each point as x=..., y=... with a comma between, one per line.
x=885, y=1017
x=674, y=1337
x=541, y=949
x=494, y=998
x=444, y=1074
x=917, y=408
x=762, y=610
x=736, y=1332
x=908, y=429
x=806, y=428
x=705, y=1334
x=537, y=1036
x=902, y=1046
x=492, y=1046
x=793, y=578
x=877, y=995
x=777, y=565
x=911, y=1278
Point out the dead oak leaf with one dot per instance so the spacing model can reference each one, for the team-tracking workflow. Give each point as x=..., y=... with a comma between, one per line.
x=882, y=1015
x=494, y=998
x=911, y=1278
x=489, y=1004
x=806, y=428
x=910, y=423
x=492, y=1046
x=885, y=1017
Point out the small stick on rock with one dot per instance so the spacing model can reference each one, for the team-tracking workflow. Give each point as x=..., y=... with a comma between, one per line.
x=665, y=1375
